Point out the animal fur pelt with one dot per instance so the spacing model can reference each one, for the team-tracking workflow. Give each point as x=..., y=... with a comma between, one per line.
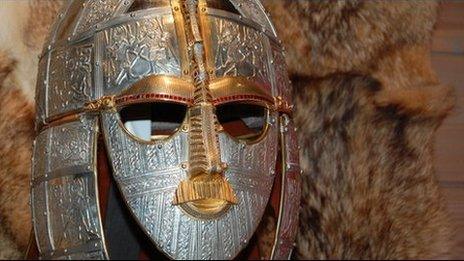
x=367, y=107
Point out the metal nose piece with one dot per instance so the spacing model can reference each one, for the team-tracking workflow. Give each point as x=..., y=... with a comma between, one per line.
x=204, y=153
x=205, y=192
x=205, y=179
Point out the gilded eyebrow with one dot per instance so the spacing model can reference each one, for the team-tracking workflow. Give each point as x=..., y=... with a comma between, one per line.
x=239, y=87
x=161, y=84
x=168, y=88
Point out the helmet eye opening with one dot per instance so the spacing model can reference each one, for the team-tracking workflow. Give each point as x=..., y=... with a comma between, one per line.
x=138, y=5
x=153, y=121
x=243, y=121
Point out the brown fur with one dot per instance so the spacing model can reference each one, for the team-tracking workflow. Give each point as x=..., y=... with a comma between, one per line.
x=324, y=37
x=368, y=105
x=17, y=125
x=38, y=26
x=369, y=190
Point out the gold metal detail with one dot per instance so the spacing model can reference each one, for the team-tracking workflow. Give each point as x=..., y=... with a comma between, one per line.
x=239, y=87
x=215, y=188
x=283, y=106
x=157, y=88
x=283, y=123
x=161, y=84
x=205, y=192
x=102, y=104
x=62, y=119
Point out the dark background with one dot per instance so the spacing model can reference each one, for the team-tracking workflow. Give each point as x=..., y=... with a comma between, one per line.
x=448, y=62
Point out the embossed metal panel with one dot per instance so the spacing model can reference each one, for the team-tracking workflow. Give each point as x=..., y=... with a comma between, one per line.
x=38, y=196
x=98, y=11
x=70, y=79
x=67, y=20
x=64, y=195
x=254, y=10
x=239, y=50
x=136, y=49
x=79, y=17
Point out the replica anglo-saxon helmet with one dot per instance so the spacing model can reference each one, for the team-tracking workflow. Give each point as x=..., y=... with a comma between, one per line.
x=185, y=107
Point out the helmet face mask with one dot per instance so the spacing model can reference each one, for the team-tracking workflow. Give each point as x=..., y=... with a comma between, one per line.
x=191, y=98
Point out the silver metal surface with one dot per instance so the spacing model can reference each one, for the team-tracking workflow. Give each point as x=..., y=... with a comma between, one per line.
x=120, y=56
x=69, y=19
x=70, y=78
x=119, y=18
x=134, y=50
x=57, y=24
x=98, y=11
x=239, y=50
x=254, y=10
x=243, y=20
x=65, y=207
x=41, y=90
